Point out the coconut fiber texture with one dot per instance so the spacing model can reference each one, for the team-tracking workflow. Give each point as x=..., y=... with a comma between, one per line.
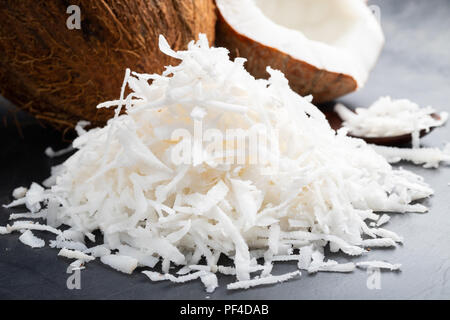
x=60, y=75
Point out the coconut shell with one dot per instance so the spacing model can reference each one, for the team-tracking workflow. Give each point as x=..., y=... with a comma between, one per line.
x=303, y=78
x=60, y=75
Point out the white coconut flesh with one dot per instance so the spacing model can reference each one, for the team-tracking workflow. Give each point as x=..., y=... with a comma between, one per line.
x=341, y=36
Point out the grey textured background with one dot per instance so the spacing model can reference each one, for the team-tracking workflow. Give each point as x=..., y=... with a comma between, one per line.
x=415, y=64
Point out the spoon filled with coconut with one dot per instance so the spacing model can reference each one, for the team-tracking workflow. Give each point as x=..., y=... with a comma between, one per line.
x=388, y=122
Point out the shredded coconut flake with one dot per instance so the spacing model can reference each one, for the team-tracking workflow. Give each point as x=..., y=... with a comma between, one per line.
x=210, y=281
x=53, y=154
x=262, y=281
x=120, y=263
x=155, y=276
x=72, y=245
x=75, y=254
x=39, y=215
x=383, y=242
x=428, y=157
x=29, y=239
x=98, y=251
x=333, y=266
x=29, y=225
x=383, y=220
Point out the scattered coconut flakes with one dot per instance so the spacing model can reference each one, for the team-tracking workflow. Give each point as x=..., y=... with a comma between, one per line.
x=75, y=254
x=80, y=127
x=24, y=225
x=428, y=157
x=184, y=270
x=245, y=284
x=291, y=257
x=199, y=267
x=156, y=276
x=120, y=263
x=4, y=230
x=226, y=270
x=383, y=233
x=72, y=235
x=333, y=266
x=32, y=199
x=210, y=281
x=383, y=220
x=387, y=117
x=340, y=267
x=98, y=251
x=50, y=181
x=124, y=182
x=144, y=259
x=381, y=242
x=39, y=215
x=305, y=257
x=29, y=239
x=19, y=192
x=378, y=264
x=268, y=267
x=68, y=244
x=49, y=152
x=317, y=260
x=15, y=203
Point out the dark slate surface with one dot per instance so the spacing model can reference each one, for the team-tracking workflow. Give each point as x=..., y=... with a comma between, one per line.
x=415, y=64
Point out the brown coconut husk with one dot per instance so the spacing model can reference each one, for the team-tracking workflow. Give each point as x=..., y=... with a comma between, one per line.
x=60, y=75
x=303, y=78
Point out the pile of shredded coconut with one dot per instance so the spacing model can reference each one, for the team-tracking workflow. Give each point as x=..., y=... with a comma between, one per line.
x=315, y=187
x=387, y=118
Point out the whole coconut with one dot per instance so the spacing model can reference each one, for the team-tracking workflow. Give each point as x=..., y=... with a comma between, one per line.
x=59, y=74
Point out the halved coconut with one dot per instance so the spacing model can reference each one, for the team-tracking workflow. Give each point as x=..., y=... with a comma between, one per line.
x=325, y=47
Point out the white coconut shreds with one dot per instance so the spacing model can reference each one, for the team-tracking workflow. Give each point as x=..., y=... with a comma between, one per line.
x=4, y=230
x=29, y=239
x=75, y=254
x=388, y=117
x=32, y=199
x=98, y=251
x=19, y=192
x=245, y=284
x=313, y=186
x=53, y=154
x=39, y=215
x=123, y=264
x=210, y=282
x=383, y=220
x=30, y=225
x=68, y=244
x=427, y=157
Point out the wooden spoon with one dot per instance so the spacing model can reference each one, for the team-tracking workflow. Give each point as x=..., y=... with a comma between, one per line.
x=336, y=123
